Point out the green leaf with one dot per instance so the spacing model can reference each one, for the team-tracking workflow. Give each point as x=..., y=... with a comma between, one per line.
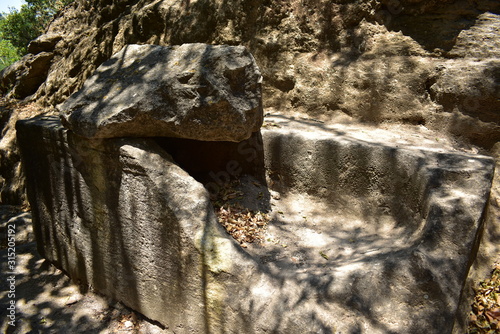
x=8, y=54
x=20, y=27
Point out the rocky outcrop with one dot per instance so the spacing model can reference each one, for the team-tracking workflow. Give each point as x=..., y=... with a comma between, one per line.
x=24, y=77
x=44, y=43
x=377, y=61
x=193, y=91
x=469, y=89
x=407, y=192
x=370, y=60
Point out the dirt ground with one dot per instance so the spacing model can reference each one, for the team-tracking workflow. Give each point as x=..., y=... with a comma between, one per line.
x=47, y=301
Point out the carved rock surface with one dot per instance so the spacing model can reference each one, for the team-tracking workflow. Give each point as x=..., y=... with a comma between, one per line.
x=388, y=254
x=119, y=215
x=194, y=91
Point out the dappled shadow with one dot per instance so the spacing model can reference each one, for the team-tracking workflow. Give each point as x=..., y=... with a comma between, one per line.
x=44, y=297
x=61, y=178
x=47, y=301
x=346, y=269
x=356, y=271
x=362, y=170
x=416, y=192
x=435, y=25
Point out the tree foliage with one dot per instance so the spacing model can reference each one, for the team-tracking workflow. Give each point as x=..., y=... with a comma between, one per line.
x=19, y=27
x=8, y=54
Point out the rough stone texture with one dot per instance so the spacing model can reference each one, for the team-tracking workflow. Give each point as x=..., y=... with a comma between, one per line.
x=12, y=181
x=44, y=43
x=217, y=163
x=323, y=58
x=24, y=77
x=120, y=215
x=471, y=87
x=370, y=60
x=13, y=218
x=194, y=91
x=45, y=291
x=481, y=40
x=421, y=209
x=441, y=25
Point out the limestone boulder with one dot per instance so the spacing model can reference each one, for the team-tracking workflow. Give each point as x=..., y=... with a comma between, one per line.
x=194, y=91
x=44, y=43
x=24, y=77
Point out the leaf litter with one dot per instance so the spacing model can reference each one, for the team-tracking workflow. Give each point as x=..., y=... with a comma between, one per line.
x=485, y=315
x=243, y=224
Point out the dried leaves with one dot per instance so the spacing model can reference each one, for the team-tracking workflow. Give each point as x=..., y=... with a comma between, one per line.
x=225, y=195
x=243, y=225
x=485, y=316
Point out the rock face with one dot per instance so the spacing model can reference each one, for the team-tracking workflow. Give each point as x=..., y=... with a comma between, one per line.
x=370, y=60
x=23, y=78
x=12, y=219
x=194, y=91
x=376, y=61
x=470, y=90
x=12, y=180
x=390, y=272
x=120, y=215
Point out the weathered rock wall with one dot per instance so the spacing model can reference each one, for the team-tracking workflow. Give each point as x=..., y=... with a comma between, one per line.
x=431, y=63
x=373, y=60
x=12, y=181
